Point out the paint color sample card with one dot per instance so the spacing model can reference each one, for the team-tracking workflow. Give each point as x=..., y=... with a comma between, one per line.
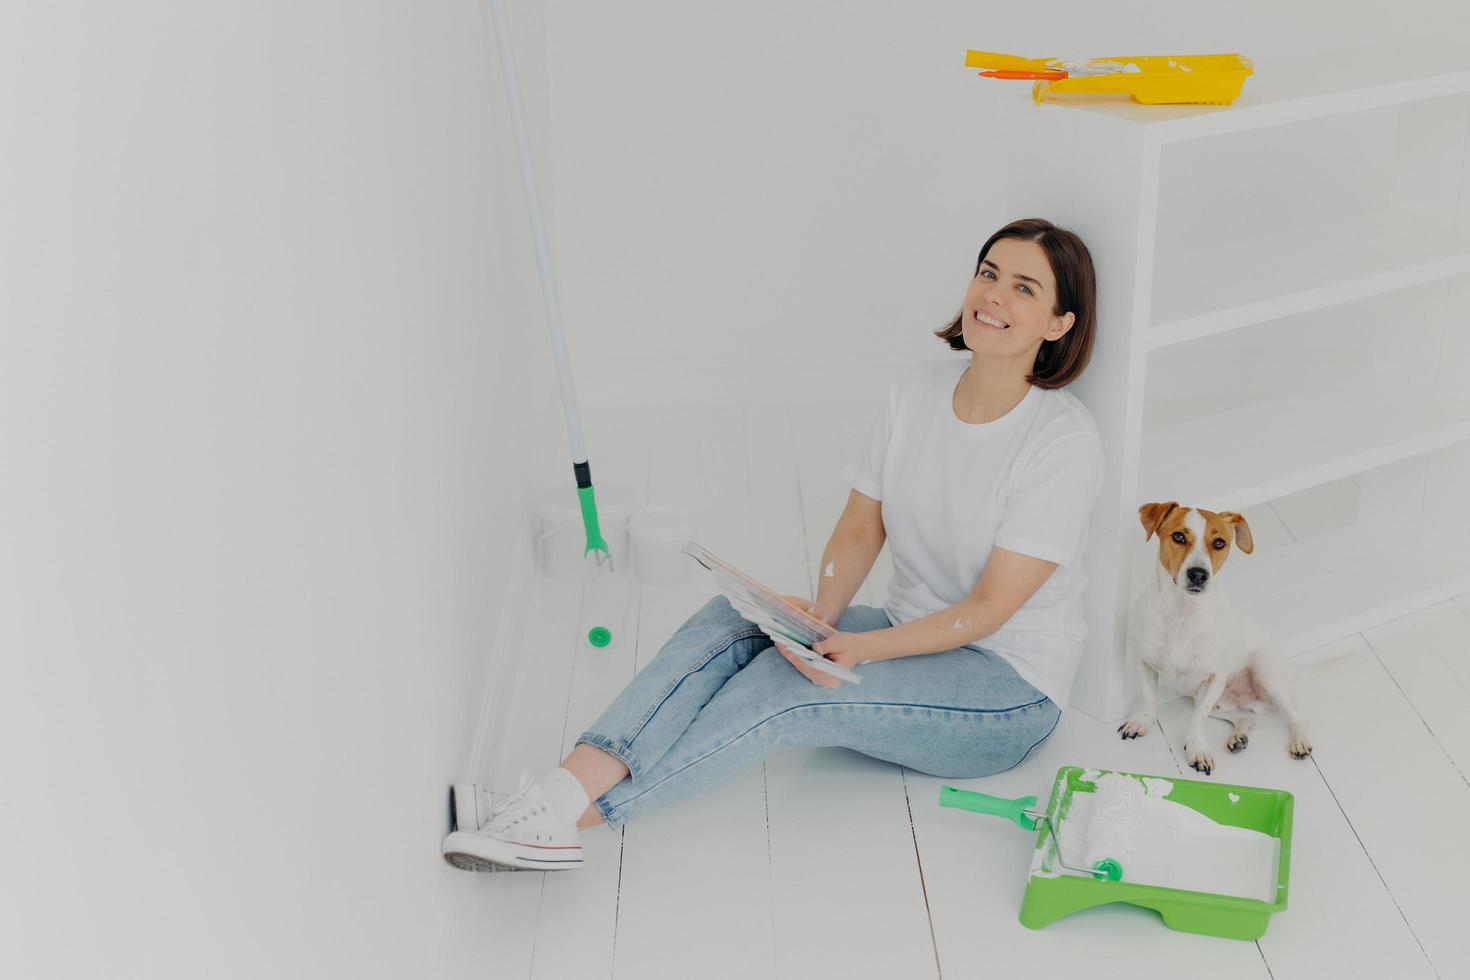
x=782, y=622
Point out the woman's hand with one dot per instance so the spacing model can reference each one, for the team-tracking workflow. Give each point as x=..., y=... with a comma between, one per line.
x=845, y=649
x=808, y=606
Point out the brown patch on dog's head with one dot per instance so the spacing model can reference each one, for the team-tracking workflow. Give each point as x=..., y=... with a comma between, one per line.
x=1218, y=535
x=1167, y=521
x=1152, y=515
x=1243, y=539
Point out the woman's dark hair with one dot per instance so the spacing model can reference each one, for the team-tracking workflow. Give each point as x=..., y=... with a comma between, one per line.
x=1058, y=362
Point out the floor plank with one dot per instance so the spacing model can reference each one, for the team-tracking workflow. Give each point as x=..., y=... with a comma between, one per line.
x=584, y=903
x=1341, y=919
x=695, y=870
x=1427, y=654
x=848, y=897
x=576, y=930
x=692, y=869
x=541, y=682
x=1402, y=795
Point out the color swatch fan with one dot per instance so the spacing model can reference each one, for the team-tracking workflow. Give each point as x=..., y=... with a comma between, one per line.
x=778, y=619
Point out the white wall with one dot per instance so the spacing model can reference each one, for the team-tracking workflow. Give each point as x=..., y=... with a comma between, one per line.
x=800, y=189
x=269, y=361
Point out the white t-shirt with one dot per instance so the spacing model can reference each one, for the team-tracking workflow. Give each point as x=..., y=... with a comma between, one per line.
x=952, y=490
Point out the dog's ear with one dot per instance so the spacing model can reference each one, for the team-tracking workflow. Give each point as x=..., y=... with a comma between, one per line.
x=1242, y=530
x=1152, y=515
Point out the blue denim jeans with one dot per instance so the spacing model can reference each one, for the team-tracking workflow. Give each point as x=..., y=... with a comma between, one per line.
x=719, y=697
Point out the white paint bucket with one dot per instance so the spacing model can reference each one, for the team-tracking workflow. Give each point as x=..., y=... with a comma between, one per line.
x=658, y=536
x=561, y=538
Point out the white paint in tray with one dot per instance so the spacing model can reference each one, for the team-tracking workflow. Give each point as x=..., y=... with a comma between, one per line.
x=1160, y=842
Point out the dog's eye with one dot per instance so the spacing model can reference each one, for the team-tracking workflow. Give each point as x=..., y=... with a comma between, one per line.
x=1219, y=543
x=1179, y=536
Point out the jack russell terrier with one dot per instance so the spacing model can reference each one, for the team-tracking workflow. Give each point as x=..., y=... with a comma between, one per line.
x=1181, y=630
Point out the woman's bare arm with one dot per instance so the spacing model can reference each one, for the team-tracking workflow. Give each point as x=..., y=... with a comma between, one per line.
x=1009, y=580
x=850, y=553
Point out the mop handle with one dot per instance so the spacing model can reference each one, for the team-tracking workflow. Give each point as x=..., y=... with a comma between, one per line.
x=538, y=233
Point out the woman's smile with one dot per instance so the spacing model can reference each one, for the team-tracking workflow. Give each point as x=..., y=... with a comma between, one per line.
x=990, y=322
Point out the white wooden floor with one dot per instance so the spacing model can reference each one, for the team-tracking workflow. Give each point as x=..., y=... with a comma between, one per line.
x=826, y=863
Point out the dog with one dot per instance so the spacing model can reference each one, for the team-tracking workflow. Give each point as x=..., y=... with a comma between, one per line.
x=1181, y=630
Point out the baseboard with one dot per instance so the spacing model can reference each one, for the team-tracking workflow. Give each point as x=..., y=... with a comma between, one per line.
x=500, y=678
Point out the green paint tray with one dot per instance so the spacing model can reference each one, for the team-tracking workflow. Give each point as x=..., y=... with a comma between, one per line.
x=1054, y=891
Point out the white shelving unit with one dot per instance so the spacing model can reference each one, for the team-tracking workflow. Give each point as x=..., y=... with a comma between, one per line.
x=1284, y=330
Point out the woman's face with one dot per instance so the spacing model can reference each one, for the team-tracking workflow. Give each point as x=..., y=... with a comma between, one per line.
x=1008, y=307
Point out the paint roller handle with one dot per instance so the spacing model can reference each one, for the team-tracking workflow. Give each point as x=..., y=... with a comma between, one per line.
x=964, y=799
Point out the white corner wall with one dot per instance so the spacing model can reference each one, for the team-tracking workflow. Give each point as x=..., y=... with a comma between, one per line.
x=271, y=365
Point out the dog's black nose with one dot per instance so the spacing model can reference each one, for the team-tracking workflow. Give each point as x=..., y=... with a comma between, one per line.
x=1197, y=576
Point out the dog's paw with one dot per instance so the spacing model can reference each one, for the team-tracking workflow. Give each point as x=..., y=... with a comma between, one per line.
x=1299, y=747
x=1237, y=743
x=1136, y=727
x=1200, y=760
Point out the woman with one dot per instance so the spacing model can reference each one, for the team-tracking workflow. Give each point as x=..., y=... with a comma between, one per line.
x=981, y=476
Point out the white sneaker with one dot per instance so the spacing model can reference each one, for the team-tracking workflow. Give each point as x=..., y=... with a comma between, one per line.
x=523, y=834
x=472, y=807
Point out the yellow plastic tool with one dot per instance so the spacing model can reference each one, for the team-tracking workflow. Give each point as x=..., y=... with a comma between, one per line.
x=1202, y=79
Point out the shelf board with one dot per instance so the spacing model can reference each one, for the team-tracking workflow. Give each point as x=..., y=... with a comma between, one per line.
x=1314, y=592
x=1287, y=89
x=1351, y=261
x=1269, y=449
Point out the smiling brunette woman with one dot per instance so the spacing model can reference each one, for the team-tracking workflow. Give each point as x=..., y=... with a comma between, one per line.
x=980, y=475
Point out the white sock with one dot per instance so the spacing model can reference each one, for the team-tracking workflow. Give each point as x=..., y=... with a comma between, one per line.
x=566, y=796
